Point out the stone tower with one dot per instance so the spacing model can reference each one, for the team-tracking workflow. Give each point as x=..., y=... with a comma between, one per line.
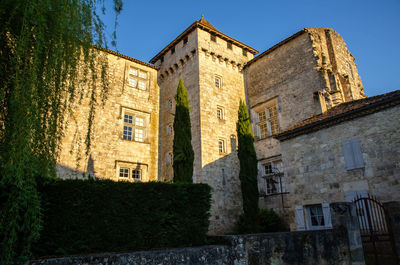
x=210, y=64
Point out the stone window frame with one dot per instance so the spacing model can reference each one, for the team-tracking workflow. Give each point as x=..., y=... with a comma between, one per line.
x=136, y=171
x=221, y=113
x=138, y=78
x=266, y=119
x=221, y=146
x=218, y=82
x=134, y=121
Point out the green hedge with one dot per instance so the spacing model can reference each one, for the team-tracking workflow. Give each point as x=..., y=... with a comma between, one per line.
x=81, y=216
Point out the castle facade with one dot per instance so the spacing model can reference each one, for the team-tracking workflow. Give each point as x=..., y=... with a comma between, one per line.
x=301, y=77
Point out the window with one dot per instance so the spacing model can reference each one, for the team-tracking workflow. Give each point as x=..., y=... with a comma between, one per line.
x=244, y=52
x=233, y=143
x=218, y=81
x=124, y=172
x=221, y=146
x=273, y=175
x=162, y=59
x=169, y=129
x=352, y=154
x=169, y=104
x=213, y=37
x=313, y=217
x=138, y=79
x=185, y=40
x=220, y=113
x=168, y=159
x=136, y=174
x=127, y=171
x=134, y=127
x=266, y=122
x=229, y=45
x=172, y=50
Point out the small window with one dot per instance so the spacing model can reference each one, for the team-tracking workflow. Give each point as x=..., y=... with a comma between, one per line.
x=185, y=40
x=218, y=81
x=221, y=146
x=233, y=143
x=244, y=52
x=316, y=216
x=162, y=59
x=168, y=159
x=213, y=37
x=124, y=172
x=172, y=50
x=229, y=45
x=169, y=104
x=169, y=129
x=136, y=174
x=220, y=113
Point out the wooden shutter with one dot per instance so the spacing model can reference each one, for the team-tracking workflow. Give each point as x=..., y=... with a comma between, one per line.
x=352, y=154
x=327, y=215
x=358, y=159
x=299, y=214
x=258, y=132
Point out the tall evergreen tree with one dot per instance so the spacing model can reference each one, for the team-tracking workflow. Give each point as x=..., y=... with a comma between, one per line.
x=248, y=165
x=46, y=59
x=182, y=147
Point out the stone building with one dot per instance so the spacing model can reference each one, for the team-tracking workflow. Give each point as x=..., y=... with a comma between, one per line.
x=125, y=130
x=352, y=149
x=210, y=64
x=303, y=76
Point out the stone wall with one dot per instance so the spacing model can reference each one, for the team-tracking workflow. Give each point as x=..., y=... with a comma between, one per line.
x=316, y=247
x=109, y=150
x=315, y=168
x=220, y=169
x=303, y=76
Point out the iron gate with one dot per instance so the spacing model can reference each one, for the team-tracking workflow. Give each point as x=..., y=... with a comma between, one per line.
x=375, y=232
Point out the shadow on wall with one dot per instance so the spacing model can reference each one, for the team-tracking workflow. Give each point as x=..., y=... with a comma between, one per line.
x=66, y=172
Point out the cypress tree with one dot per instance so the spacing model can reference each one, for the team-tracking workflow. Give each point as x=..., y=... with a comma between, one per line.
x=248, y=166
x=182, y=147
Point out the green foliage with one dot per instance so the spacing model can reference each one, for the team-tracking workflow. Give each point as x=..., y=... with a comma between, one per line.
x=46, y=59
x=248, y=165
x=182, y=147
x=82, y=216
x=267, y=221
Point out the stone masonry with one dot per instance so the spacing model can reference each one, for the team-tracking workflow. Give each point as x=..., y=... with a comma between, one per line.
x=109, y=150
x=300, y=77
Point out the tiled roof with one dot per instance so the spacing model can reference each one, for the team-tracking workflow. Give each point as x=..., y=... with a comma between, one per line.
x=125, y=57
x=205, y=25
x=340, y=113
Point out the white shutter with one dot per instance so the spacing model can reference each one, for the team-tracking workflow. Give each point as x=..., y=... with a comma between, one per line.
x=358, y=159
x=258, y=132
x=327, y=215
x=299, y=214
x=268, y=115
x=348, y=154
x=255, y=117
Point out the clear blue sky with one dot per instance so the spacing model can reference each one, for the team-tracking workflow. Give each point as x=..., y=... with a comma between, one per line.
x=371, y=29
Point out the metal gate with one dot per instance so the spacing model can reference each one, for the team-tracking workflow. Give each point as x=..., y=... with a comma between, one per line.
x=375, y=232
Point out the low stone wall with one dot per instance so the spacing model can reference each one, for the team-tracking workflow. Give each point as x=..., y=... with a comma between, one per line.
x=305, y=247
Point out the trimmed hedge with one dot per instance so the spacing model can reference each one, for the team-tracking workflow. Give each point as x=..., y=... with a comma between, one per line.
x=81, y=216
